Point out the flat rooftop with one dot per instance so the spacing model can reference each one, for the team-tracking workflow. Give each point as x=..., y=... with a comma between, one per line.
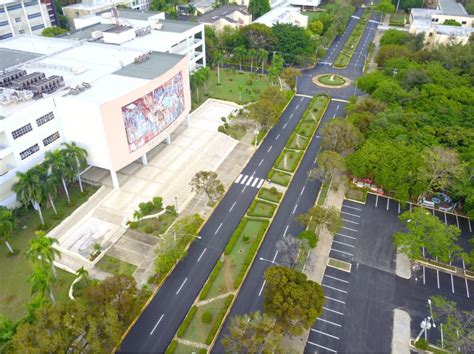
x=156, y=65
x=451, y=7
x=12, y=57
x=222, y=12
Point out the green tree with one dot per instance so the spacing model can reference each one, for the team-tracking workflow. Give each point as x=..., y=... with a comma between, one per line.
x=310, y=237
x=53, y=31
x=258, y=36
x=209, y=183
x=293, y=42
x=392, y=51
x=428, y=232
x=50, y=185
x=292, y=299
x=76, y=157
x=318, y=217
x=341, y=136
x=253, y=333
x=276, y=69
x=58, y=166
x=252, y=54
x=196, y=80
x=240, y=53
x=42, y=281
x=29, y=189
x=262, y=56
x=7, y=331
x=218, y=60
x=328, y=163
x=385, y=6
x=41, y=250
x=7, y=225
x=206, y=75
x=451, y=22
x=258, y=8
x=316, y=27
x=265, y=112
x=290, y=75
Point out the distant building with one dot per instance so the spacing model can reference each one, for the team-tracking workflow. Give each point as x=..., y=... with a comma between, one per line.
x=235, y=16
x=431, y=22
x=93, y=7
x=288, y=15
x=25, y=17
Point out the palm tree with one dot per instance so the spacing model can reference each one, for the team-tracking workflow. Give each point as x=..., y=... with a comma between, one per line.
x=196, y=80
x=252, y=54
x=240, y=88
x=7, y=331
x=57, y=166
x=41, y=282
x=41, y=250
x=262, y=56
x=206, y=74
x=50, y=188
x=217, y=60
x=82, y=273
x=191, y=9
x=7, y=224
x=29, y=189
x=240, y=53
x=77, y=157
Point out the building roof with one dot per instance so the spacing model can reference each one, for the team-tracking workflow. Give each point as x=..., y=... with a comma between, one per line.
x=86, y=32
x=291, y=15
x=156, y=65
x=451, y=7
x=223, y=12
x=12, y=57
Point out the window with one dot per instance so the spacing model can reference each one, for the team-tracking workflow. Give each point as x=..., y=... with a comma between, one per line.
x=22, y=31
x=22, y=131
x=17, y=19
x=463, y=22
x=44, y=119
x=34, y=28
x=34, y=15
x=3, y=23
x=30, y=151
x=51, y=138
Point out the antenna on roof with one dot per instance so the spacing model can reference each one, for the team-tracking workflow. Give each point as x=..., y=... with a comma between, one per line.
x=115, y=14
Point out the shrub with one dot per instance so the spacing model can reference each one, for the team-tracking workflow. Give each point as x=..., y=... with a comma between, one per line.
x=210, y=280
x=172, y=347
x=171, y=209
x=41, y=227
x=187, y=320
x=223, y=119
x=303, y=131
x=219, y=318
x=148, y=229
x=226, y=125
x=158, y=202
x=273, y=190
x=310, y=236
x=206, y=317
x=421, y=343
x=249, y=82
x=246, y=238
x=144, y=208
x=133, y=224
x=221, y=129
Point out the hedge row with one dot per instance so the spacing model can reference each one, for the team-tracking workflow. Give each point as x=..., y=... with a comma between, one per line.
x=219, y=318
x=210, y=280
x=235, y=236
x=172, y=347
x=187, y=320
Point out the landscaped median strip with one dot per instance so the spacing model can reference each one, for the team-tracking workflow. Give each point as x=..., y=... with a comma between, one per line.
x=344, y=57
x=199, y=329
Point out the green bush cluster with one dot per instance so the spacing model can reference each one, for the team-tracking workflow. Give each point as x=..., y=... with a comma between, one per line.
x=206, y=317
x=219, y=318
x=310, y=236
x=235, y=236
x=187, y=320
x=172, y=347
x=210, y=280
x=153, y=206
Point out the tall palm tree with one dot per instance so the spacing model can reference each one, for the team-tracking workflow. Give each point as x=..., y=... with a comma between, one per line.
x=29, y=189
x=217, y=60
x=252, y=54
x=206, y=74
x=240, y=54
x=262, y=56
x=50, y=187
x=42, y=281
x=41, y=250
x=196, y=80
x=82, y=273
x=57, y=166
x=7, y=224
x=77, y=157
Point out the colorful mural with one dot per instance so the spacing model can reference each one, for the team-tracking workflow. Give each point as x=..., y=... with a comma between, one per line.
x=148, y=116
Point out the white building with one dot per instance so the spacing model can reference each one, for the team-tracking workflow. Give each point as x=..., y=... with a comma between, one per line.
x=288, y=15
x=19, y=17
x=118, y=103
x=234, y=16
x=146, y=31
x=93, y=7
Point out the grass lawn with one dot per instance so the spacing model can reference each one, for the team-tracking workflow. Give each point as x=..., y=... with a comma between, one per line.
x=312, y=15
x=307, y=128
x=115, y=266
x=251, y=85
x=219, y=286
x=185, y=349
x=324, y=193
x=262, y=209
x=298, y=142
x=14, y=289
x=397, y=19
x=270, y=194
x=197, y=330
x=290, y=160
x=236, y=131
x=355, y=193
x=331, y=80
x=335, y=263
x=280, y=178
x=157, y=226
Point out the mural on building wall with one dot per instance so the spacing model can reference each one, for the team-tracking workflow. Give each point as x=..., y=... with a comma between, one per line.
x=149, y=115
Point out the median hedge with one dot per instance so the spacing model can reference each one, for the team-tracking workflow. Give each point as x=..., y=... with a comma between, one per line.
x=185, y=324
x=210, y=280
x=235, y=236
x=219, y=318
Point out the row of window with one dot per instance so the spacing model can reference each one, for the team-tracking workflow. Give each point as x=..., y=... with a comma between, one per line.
x=28, y=128
x=35, y=148
x=34, y=28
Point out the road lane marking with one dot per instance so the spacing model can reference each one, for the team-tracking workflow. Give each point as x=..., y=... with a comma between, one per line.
x=218, y=229
x=232, y=207
x=348, y=228
x=350, y=221
x=330, y=276
x=276, y=254
x=239, y=178
x=261, y=289
x=452, y=283
x=269, y=148
x=244, y=179
x=333, y=115
x=334, y=311
x=437, y=277
x=291, y=115
x=277, y=137
x=284, y=126
x=333, y=299
x=333, y=288
x=335, y=250
x=351, y=237
x=322, y=347
x=156, y=325
x=249, y=181
x=294, y=209
x=255, y=181
x=286, y=229
x=424, y=270
x=337, y=108
x=355, y=215
x=324, y=333
x=469, y=222
x=351, y=207
x=243, y=189
x=202, y=254
x=302, y=190
x=184, y=282
x=344, y=244
x=260, y=183
x=261, y=161
x=333, y=323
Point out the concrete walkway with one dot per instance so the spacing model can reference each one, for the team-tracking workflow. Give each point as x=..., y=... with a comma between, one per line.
x=401, y=332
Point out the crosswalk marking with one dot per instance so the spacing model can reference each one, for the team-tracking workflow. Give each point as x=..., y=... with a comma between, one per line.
x=239, y=178
x=250, y=181
x=254, y=182
x=244, y=179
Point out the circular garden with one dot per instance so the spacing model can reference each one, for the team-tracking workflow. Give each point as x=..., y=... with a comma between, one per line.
x=331, y=80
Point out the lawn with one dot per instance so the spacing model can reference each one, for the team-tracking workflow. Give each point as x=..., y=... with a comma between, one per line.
x=332, y=80
x=115, y=266
x=289, y=160
x=307, y=128
x=158, y=225
x=236, y=131
x=397, y=19
x=312, y=15
x=14, y=289
x=250, y=85
x=186, y=349
x=270, y=194
x=279, y=177
x=261, y=209
x=298, y=142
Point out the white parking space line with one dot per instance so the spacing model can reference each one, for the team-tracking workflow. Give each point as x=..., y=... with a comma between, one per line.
x=348, y=228
x=322, y=347
x=351, y=207
x=465, y=280
x=324, y=333
x=333, y=311
x=156, y=325
x=215, y=233
x=376, y=200
x=249, y=180
x=388, y=203
x=244, y=179
x=184, y=282
x=239, y=178
x=202, y=254
x=351, y=237
x=255, y=182
x=269, y=148
x=232, y=207
x=350, y=221
x=261, y=289
x=331, y=277
x=333, y=288
x=333, y=299
x=335, y=250
x=333, y=323
x=457, y=220
x=342, y=243
x=260, y=183
x=399, y=208
x=354, y=215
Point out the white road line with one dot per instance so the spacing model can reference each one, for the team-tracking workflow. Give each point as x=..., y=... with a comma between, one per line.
x=238, y=178
x=333, y=299
x=469, y=222
x=294, y=209
x=260, y=183
x=376, y=200
x=333, y=323
x=350, y=221
x=202, y=254
x=424, y=275
x=284, y=125
x=337, y=108
x=334, y=311
x=286, y=229
x=351, y=207
x=452, y=283
x=465, y=280
x=255, y=182
x=330, y=276
x=324, y=333
x=218, y=229
x=445, y=219
x=269, y=148
x=291, y=115
x=243, y=189
x=335, y=250
x=351, y=237
x=348, y=228
x=333, y=288
x=244, y=179
x=388, y=203
x=355, y=215
x=249, y=181
x=232, y=207
x=277, y=137
x=261, y=161
x=184, y=282
x=322, y=347
x=437, y=277
x=334, y=115
x=398, y=208
x=276, y=254
x=295, y=109
x=301, y=193
x=261, y=289
x=157, y=323
x=457, y=220
x=342, y=243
